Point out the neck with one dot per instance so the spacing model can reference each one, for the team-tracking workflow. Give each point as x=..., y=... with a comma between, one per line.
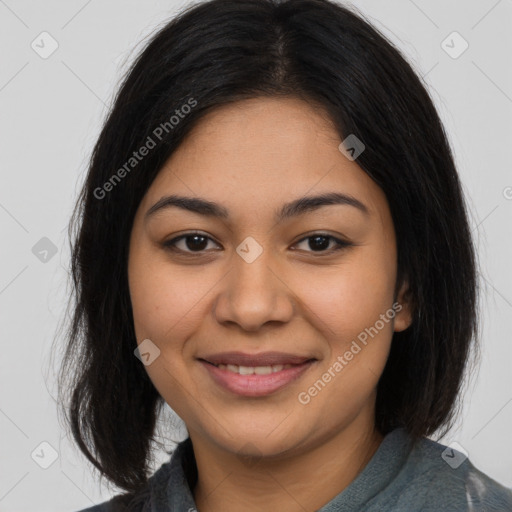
x=289, y=484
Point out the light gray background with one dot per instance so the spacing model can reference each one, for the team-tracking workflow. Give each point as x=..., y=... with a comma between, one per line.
x=51, y=112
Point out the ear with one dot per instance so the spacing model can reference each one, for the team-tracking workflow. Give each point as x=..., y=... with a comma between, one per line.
x=403, y=316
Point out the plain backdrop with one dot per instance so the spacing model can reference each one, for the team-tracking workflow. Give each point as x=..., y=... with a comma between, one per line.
x=51, y=112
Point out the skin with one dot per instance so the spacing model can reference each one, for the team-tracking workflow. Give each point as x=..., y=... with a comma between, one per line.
x=251, y=157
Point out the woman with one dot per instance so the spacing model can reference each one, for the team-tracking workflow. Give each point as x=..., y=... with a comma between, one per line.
x=272, y=239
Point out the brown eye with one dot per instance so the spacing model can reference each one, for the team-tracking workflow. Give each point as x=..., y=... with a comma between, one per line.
x=197, y=243
x=320, y=242
x=190, y=243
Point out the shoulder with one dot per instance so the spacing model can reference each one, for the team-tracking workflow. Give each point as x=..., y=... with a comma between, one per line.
x=120, y=503
x=123, y=503
x=447, y=480
x=168, y=484
x=136, y=502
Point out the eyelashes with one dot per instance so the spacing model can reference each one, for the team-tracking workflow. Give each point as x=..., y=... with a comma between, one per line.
x=171, y=244
x=194, y=244
x=338, y=243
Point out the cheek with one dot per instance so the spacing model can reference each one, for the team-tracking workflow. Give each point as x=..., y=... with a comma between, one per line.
x=350, y=297
x=166, y=305
x=347, y=306
x=169, y=302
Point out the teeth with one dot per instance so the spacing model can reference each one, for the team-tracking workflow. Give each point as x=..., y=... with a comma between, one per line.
x=245, y=370
x=258, y=370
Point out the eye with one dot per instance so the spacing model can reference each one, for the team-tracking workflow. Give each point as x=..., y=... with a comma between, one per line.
x=190, y=243
x=319, y=242
x=197, y=243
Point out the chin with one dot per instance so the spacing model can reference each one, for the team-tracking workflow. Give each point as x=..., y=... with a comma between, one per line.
x=259, y=439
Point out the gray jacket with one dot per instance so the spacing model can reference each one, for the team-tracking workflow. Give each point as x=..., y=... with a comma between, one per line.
x=402, y=476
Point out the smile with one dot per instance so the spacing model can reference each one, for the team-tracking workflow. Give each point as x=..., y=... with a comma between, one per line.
x=250, y=370
x=255, y=381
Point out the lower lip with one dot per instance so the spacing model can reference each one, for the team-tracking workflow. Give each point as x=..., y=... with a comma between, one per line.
x=255, y=385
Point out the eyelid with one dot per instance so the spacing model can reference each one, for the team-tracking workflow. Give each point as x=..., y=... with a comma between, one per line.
x=170, y=244
x=340, y=243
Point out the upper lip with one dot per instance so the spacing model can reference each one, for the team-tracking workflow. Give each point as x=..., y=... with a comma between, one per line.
x=262, y=359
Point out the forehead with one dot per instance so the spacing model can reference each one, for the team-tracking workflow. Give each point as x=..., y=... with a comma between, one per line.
x=260, y=153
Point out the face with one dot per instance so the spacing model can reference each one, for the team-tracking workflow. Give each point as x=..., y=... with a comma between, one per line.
x=297, y=300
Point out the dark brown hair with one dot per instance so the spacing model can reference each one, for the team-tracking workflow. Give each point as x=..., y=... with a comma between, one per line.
x=219, y=52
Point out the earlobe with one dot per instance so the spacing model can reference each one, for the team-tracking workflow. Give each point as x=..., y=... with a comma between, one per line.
x=403, y=317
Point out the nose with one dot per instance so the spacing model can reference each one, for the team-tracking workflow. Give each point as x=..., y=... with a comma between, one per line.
x=254, y=294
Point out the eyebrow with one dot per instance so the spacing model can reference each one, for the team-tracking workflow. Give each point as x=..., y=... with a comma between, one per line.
x=288, y=210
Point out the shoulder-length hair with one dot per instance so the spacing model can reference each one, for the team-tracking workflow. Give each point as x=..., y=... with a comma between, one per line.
x=222, y=51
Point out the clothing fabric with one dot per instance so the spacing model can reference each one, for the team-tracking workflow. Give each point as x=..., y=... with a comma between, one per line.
x=402, y=476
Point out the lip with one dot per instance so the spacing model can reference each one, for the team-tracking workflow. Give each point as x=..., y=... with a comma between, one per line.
x=262, y=359
x=256, y=385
